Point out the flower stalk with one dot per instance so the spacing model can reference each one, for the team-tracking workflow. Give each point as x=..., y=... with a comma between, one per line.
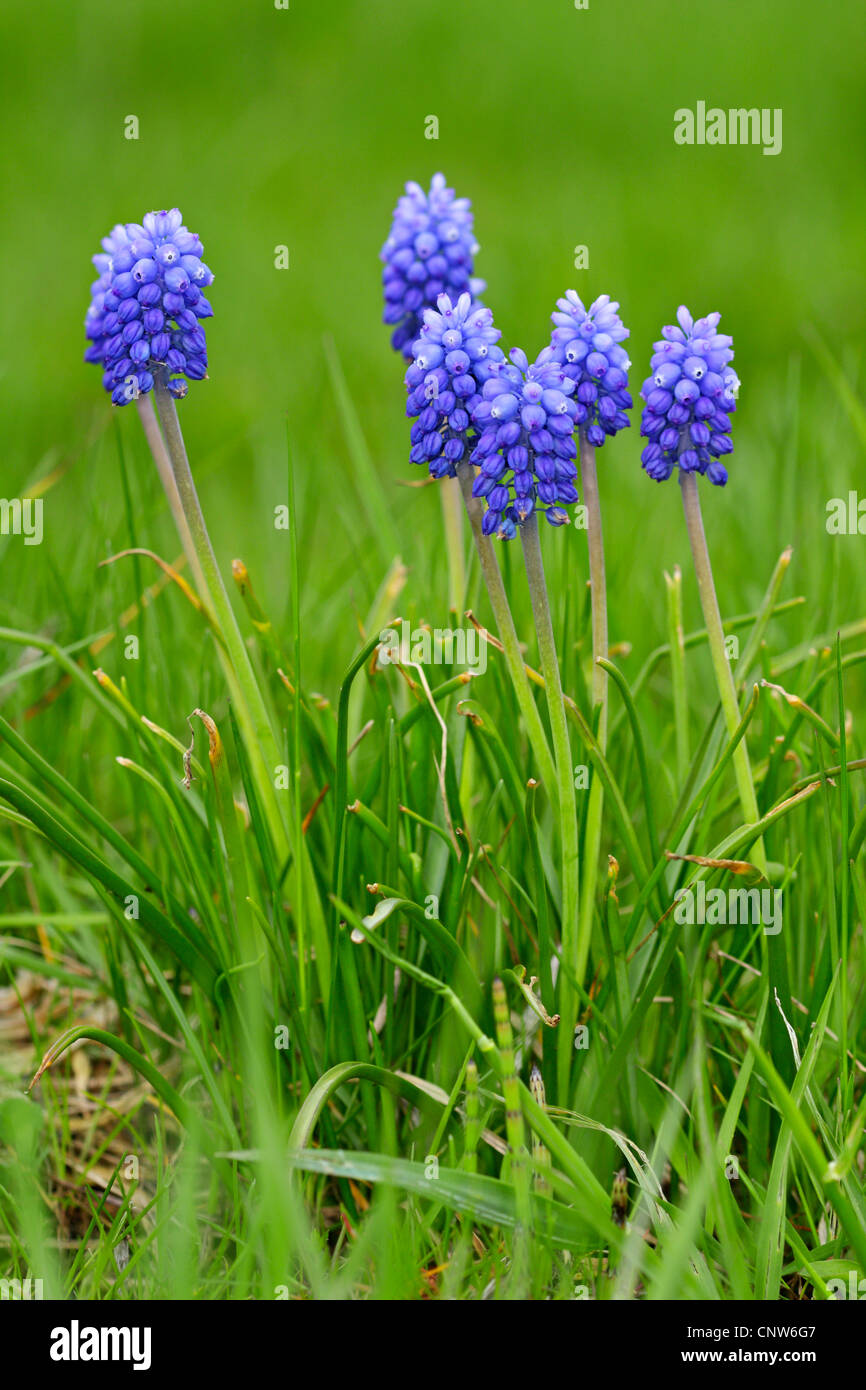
x=721, y=666
x=777, y=960
x=153, y=435
x=564, y=779
x=249, y=705
x=598, y=585
x=452, y=521
x=507, y=633
x=598, y=595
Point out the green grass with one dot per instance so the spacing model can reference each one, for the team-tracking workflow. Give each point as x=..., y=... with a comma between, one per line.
x=280, y=1075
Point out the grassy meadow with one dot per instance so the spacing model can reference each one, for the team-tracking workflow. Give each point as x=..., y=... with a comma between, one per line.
x=306, y=1008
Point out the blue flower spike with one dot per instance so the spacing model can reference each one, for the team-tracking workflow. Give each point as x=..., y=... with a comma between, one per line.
x=587, y=342
x=430, y=251
x=512, y=420
x=146, y=306
x=690, y=399
x=525, y=449
x=452, y=359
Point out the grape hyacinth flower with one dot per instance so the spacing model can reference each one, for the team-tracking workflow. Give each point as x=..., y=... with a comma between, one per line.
x=146, y=307
x=587, y=343
x=690, y=399
x=525, y=422
x=453, y=357
x=430, y=251
x=144, y=330
x=521, y=421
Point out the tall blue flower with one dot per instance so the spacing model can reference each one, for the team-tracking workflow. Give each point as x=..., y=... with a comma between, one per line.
x=525, y=421
x=430, y=251
x=690, y=399
x=146, y=306
x=452, y=359
x=587, y=343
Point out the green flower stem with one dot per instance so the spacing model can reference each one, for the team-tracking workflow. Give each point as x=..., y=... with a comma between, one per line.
x=150, y=425
x=250, y=708
x=507, y=633
x=598, y=593
x=452, y=520
x=567, y=800
x=777, y=959
x=598, y=584
x=674, y=583
x=721, y=665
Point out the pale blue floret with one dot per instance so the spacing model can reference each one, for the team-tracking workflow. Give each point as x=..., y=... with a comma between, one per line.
x=146, y=306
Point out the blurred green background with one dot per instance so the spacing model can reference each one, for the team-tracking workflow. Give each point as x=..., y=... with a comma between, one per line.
x=299, y=127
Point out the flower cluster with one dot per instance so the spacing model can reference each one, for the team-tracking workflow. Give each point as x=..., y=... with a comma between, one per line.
x=689, y=400
x=146, y=306
x=514, y=422
x=587, y=343
x=430, y=251
x=452, y=359
x=525, y=422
